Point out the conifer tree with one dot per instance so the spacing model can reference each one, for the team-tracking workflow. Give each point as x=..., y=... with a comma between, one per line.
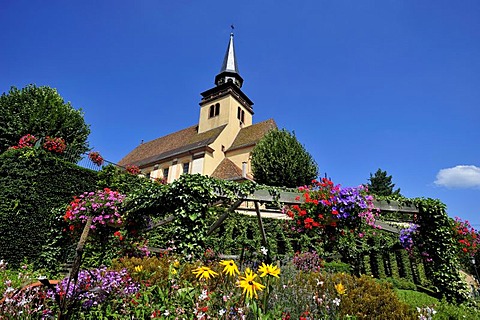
x=381, y=184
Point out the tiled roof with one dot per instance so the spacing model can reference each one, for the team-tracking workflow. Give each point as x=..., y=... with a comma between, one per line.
x=227, y=170
x=170, y=145
x=250, y=135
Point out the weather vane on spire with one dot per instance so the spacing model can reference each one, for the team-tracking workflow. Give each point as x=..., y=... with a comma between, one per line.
x=233, y=27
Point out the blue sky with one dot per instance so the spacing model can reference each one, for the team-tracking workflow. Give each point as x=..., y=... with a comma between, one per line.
x=363, y=84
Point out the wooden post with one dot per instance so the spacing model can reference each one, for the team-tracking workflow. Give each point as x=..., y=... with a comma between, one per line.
x=260, y=224
x=75, y=267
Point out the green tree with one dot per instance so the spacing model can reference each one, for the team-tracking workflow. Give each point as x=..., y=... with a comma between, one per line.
x=381, y=184
x=41, y=111
x=280, y=160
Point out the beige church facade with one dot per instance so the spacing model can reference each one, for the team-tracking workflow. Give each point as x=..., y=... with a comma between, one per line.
x=219, y=145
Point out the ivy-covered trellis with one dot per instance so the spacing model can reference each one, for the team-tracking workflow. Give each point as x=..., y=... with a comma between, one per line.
x=186, y=212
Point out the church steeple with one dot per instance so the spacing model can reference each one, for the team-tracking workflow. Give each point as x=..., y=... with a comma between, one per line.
x=229, y=70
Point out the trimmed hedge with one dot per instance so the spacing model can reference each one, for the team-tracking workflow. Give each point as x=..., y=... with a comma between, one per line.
x=33, y=183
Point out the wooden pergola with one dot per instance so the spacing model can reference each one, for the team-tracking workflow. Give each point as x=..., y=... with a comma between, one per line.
x=261, y=203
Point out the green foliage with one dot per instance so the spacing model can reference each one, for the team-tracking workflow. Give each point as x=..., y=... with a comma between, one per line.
x=240, y=235
x=41, y=111
x=156, y=270
x=447, y=311
x=436, y=241
x=280, y=160
x=414, y=298
x=381, y=184
x=32, y=183
x=337, y=267
x=399, y=283
x=188, y=201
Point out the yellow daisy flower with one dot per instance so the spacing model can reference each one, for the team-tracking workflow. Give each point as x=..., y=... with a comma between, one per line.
x=249, y=285
x=269, y=269
x=138, y=268
x=340, y=288
x=204, y=272
x=230, y=267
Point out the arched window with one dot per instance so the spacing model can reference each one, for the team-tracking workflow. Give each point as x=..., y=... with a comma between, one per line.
x=214, y=110
x=211, y=112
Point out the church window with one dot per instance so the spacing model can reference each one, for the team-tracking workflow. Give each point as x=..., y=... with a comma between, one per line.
x=241, y=115
x=186, y=166
x=214, y=110
x=165, y=173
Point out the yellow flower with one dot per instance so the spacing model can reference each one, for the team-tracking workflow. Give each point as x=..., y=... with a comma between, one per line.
x=173, y=271
x=248, y=284
x=340, y=288
x=176, y=264
x=138, y=268
x=230, y=267
x=204, y=272
x=269, y=269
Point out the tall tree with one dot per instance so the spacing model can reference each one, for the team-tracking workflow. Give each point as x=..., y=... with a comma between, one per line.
x=280, y=160
x=41, y=111
x=381, y=184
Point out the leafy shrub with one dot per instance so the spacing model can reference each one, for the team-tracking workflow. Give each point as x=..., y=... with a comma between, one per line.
x=446, y=311
x=156, y=270
x=416, y=299
x=400, y=283
x=337, y=267
x=32, y=183
x=365, y=298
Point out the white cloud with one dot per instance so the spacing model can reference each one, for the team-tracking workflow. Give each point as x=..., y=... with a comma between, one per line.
x=459, y=177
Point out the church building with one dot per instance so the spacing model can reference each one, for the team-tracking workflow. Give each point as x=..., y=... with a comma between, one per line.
x=219, y=145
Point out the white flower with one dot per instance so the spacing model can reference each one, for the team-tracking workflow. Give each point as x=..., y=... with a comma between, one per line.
x=264, y=250
x=319, y=283
x=166, y=313
x=221, y=312
x=336, y=302
x=204, y=295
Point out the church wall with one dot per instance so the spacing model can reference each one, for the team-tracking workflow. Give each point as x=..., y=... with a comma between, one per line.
x=241, y=155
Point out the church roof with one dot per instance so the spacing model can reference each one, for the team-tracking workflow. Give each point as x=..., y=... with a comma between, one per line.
x=170, y=145
x=249, y=136
x=227, y=170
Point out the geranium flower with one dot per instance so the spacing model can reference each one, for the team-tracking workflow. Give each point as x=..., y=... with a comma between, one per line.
x=230, y=267
x=269, y=269
x=249, y=285
x=204, y=272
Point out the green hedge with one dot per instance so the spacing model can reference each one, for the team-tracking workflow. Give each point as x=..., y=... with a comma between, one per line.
x=33, y=183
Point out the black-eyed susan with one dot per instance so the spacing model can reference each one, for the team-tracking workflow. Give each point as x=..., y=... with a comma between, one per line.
x=230, y=268
x=204, y=272
x=269, y=269
x=249, y=285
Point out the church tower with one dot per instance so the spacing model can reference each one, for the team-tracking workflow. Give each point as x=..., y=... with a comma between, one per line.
x=226, y=104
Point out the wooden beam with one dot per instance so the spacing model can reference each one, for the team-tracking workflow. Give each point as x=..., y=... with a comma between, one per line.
x=260, y=224
x=394, y=206
x=224, y=216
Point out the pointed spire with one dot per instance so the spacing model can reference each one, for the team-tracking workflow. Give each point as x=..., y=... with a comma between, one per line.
x=230, y=61
x=229, y=70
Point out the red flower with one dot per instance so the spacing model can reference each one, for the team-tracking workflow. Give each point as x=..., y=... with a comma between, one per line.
x=96, y=158
x=118, y=234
